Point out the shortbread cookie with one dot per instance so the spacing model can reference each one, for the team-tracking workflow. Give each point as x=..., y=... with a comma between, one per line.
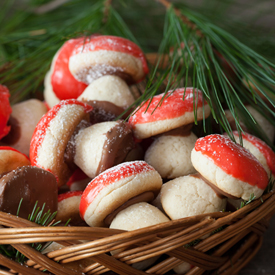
x=170, y=154
x=169, y=113
x=108, y=55
x=10, y=159
x=23, y=120
x=189, y=196
x=229, y=167
x=117, y=186
x=68, y=207
x=5, y=111
x=109, y=96
x=102, y=146
x=51, y=137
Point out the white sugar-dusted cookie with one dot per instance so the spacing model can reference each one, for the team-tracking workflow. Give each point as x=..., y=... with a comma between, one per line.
x=228, y=166
x=109, y=88
x=24, y=118
x=170, y=155
x=108, y=55
x=172, y=112
x=137, y=216
x=51, y=137
x=116, y=186
x=263, y=153
x=189, y=196
x=102, y=146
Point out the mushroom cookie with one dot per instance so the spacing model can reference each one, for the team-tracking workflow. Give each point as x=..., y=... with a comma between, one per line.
x=59, y=80
x=10, y=159
x=164, y=114
x=23, y=120
x=170, y=153
x=109, y=95
x=32, y=184
x=229, y=167
x=263, y=153
x=108, y=55
x=5, y=111
x=102, y=146
x=68, y=207
x=117, y=188
x=52, y=135
x=78, y=181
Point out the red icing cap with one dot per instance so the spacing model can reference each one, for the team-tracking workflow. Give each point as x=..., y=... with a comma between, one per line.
x=112, y=43
x=69, y=194
x=42, y=126
x=172, y=106
x=262, y=147
x=233, y=159
x=64, y=85
x=109, y=177
x=5, y=111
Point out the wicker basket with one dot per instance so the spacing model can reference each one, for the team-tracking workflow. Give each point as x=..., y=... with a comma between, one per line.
x=225, y=252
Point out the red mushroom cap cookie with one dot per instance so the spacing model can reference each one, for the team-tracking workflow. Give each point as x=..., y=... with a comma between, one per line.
x=68, y=207
x=5, y=111
x=260, y=150
x=229, y=166
x=11, y=159
x=108, y=55
x=52, y=134
x=172, y=112
x=64, y=85
x=114, y=187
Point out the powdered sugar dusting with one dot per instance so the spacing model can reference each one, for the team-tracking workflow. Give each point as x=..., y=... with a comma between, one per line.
x=171, y=107
x=232, y=158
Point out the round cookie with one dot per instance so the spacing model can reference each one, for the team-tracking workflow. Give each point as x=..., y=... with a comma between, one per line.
x=23, y=120
x=263, y=153
x=51, y=137
x=115, y=187
x=32, y=184
x=170, y=154
x=229, y=167
x=102, y=146
x=172, y=112
x=108, y=55
x=5, y=111
x=137, y=216
x=189, y=196
x=68, y=207
x=10, y=159
x=64, y=85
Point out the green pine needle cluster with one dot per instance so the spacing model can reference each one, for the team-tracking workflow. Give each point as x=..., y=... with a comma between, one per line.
x=206, y=56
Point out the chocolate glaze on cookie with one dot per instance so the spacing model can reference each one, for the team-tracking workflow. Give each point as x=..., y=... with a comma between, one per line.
x=119, y=141
x=30, y=184
x=15, y=132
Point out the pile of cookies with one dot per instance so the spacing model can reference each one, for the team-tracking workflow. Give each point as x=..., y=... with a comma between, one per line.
x=71, y=153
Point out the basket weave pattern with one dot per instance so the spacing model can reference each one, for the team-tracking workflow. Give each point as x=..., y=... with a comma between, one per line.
x=225, y=252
